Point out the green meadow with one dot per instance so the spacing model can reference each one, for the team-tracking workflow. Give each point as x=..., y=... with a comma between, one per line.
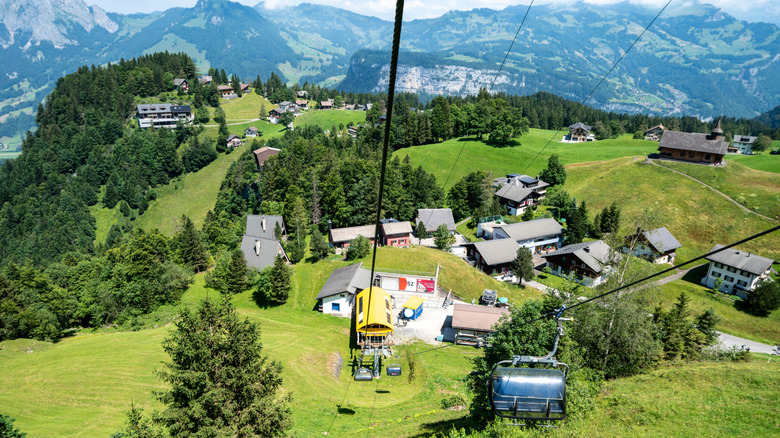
x=461, y=156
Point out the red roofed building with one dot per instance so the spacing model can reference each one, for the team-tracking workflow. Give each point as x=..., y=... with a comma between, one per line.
x=263, y=153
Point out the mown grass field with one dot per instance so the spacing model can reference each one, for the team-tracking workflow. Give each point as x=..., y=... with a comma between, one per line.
x=765, y=162
x=246, y=107
x=697, y=217
x=326, y=119
x=442, y=158
x=193, y=194
x=755, y=189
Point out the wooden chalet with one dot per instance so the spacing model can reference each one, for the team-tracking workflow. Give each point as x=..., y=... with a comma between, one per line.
x=233, y=141
x=263, y=154
x=180, y=83
x=326, y=104
x=518, y=192
x=657, y=245
x=587, y=263
x=655, y=133
x=343, y=237
x=492, y=256
x=579, y=132
x=225, y=90
x=694, y=147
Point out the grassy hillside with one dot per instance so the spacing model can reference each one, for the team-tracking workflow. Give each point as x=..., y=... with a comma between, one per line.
x=755, y=189
x=439, y=158
x=696, y=216
x=329, y=118
x=765, y=162
x=82, y=385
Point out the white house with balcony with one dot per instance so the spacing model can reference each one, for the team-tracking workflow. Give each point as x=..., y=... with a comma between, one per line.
x=740, y=270
x=538, y=235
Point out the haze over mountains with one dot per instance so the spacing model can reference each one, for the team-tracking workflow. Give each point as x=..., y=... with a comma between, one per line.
x=695, y=59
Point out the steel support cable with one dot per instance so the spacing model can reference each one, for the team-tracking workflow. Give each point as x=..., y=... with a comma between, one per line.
x=634, y=283
x=582, y=102
x=493, y=82
x=399, y=12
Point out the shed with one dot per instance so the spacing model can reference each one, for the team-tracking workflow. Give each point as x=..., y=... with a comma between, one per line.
x=415, y=304
x=473, y=324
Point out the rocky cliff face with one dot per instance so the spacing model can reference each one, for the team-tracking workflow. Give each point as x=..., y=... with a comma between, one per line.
x=29, y=22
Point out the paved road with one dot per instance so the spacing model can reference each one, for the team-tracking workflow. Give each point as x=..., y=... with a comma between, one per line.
x=714, y=190
x=755, y=347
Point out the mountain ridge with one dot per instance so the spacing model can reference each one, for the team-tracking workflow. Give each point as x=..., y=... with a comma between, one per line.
x=695, y=60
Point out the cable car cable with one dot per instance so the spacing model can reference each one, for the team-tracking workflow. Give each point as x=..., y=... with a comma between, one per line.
x=493, y=82
x=582, y=102
x=463, y=146
x=633, y=283
x=560, y=311
x=399, y=9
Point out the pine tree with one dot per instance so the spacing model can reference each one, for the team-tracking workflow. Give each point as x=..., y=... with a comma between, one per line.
x=554, y=174
x=523, y=265
x=280, y=281
x=189, y=247
x=236, y=281
x=220, y=383
x=317, y=244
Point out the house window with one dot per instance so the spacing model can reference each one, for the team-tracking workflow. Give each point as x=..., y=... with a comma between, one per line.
x=731, y=269
x=729, y=278
x=716, y=274
x=707, y=157
x=742, y=283
x=682, y=153
x=690, y=154
x=335, y=307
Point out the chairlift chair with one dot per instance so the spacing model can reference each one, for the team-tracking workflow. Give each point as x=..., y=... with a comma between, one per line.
x=363, y=374
x=394, y=369
x=530, y=393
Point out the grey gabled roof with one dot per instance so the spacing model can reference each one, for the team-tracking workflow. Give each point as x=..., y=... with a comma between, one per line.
x=350, y=279
x=661, y=239
x=694, y=141
x=594, y=254
x=739, y=259
x=579, y=125
x=349, y=234
x=254, y=225
x=497, y=251
x=433, y=217
x=514, y=193
x=392, y=228
x=260, y=253
x=532, y=229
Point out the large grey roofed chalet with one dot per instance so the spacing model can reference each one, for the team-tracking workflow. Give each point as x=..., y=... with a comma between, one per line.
x=739, y=259
x=350, y=279
x=263, y=225
x=661, y=239
x=392, y=228
x=694, y=141
x=497, y=251
x=536, y=228
x=433, y=217
x=258, y=252
x=594, y=254
x=349, y=234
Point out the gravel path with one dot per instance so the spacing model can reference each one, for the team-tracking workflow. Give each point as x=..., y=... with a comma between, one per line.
x=755, y=347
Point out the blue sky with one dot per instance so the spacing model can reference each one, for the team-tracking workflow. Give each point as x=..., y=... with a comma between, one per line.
x=750, y=10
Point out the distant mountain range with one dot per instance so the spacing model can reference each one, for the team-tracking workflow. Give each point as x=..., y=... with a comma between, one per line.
x=695, y=59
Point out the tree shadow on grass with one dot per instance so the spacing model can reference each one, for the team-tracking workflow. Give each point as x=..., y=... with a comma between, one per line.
x=443, y=427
